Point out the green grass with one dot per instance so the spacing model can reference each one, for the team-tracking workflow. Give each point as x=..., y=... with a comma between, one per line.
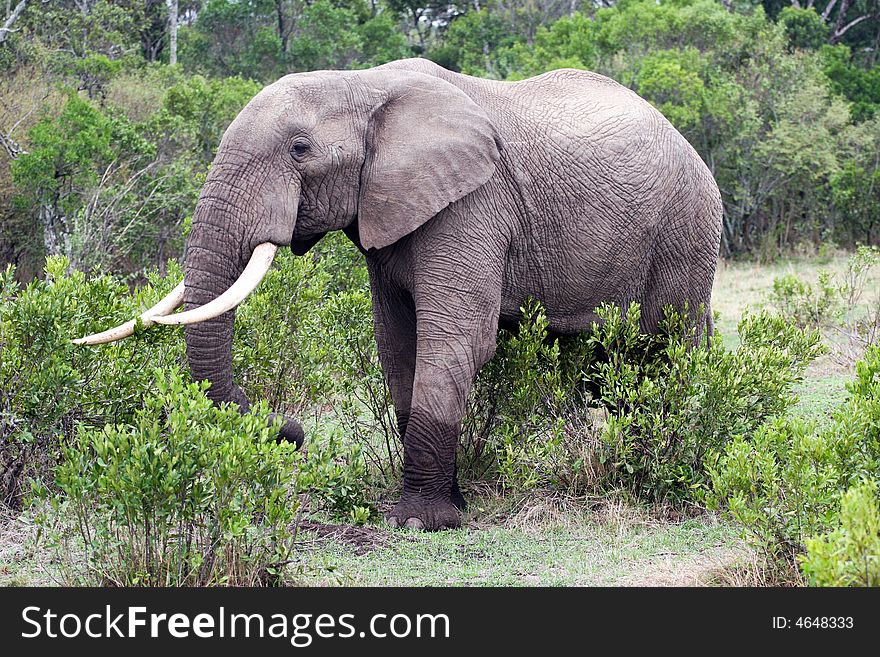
x=821, y=393
x=609, y=549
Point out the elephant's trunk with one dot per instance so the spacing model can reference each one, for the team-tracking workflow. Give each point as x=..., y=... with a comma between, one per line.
x=213, y=263
x=225, y=261
x=215, y=275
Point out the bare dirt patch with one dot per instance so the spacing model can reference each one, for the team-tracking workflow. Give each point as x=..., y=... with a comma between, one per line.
x=361, y=540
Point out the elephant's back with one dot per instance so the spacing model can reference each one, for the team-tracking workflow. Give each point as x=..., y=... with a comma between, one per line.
x=597, y=113
x=606, y=142
x=568, y=103
x=577, y=91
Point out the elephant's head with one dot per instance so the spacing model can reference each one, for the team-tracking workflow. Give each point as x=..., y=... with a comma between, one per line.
x=383, y=150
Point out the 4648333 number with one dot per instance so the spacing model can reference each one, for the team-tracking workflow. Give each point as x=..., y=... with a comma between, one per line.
x=824, y=622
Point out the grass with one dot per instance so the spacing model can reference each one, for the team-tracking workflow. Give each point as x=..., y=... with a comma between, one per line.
x=610, y=545
x=537, y=541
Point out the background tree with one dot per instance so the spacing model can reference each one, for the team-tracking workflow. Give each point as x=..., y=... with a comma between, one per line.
x=102, y=143
x=12, y=14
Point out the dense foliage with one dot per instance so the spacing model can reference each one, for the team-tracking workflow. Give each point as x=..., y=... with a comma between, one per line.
x=145, y=476
x=187, y=494
x=105, y=143
x=48, y=386
x=616, y=409
x=849, y=555
x=787, y=485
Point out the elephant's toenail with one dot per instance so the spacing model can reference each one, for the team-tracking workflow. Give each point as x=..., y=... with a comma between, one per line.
x=393, y=522
x=414, y=523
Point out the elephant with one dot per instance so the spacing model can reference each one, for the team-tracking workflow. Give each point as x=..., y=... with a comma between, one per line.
x=466, y=197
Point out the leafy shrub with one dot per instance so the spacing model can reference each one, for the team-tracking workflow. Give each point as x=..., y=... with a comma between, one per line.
x=837, y=304
x=672, y=405
x=804, y=28
x=48, y=385
x=127, y=482
x=661, y=408
x=783, y=485
x=334, y=474
x=274, y=348
x=304, y=342
x=94, y=184
x=528, y=423
x=188, y=494
x=357, y=391
x=849, y=555
x=805, y=304
x=196, y=111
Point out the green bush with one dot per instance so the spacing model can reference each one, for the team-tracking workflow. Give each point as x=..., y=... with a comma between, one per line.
x=838, y=304
x=187, y=494
x=849, y=555
x=274, y=346
x=804, y=28
x=661, y=408
x=528, y=424
x=805, y=304
x=783, y=485
x=48, y=385
x=304, y=342
x=347, y=357
x=673, y=406
x=334, y=474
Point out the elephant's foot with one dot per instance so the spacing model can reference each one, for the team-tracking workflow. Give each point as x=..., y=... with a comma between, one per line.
x=291, y=430
x=430, y=515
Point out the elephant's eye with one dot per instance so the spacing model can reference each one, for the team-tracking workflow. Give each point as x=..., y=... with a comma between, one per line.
x=299, y=149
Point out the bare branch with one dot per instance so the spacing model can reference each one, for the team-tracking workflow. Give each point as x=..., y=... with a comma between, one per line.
x=6, y=30
x=828, y=9
x=11, y=147
x=26, y=115
x=838, y=33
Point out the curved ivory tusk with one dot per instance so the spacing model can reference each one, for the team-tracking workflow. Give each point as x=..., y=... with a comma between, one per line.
x=257, y=266
x=169, y=303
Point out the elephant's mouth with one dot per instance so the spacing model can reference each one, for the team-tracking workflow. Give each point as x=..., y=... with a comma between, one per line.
x=161, y=313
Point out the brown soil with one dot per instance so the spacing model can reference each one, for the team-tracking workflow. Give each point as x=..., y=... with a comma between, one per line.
x=362, y=540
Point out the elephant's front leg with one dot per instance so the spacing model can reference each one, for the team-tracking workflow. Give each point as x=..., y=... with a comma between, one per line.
x=453, y=343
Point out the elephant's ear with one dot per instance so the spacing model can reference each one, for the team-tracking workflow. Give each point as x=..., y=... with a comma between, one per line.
x=428, y=145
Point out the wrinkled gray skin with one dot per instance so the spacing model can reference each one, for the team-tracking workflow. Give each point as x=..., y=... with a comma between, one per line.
x=466, y=196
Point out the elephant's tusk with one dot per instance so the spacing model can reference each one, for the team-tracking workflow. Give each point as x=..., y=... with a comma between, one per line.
x=256, y=269
x=169, y=303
